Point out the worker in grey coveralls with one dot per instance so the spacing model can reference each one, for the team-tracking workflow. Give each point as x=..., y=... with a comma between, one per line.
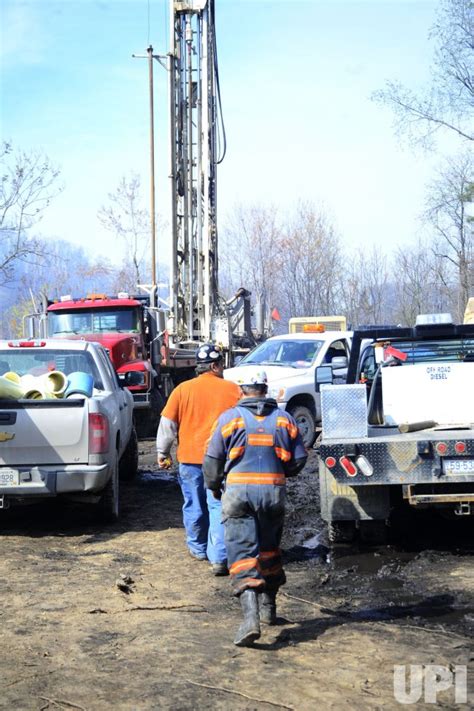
x=254, y=446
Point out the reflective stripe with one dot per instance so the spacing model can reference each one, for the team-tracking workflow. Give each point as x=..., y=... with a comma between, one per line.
x=236, y=452
x=256, y=478
x=292, y=429
x=260, y=440
x=244, y=564
x=234, y=424
x=283, y=454
x=249, y=583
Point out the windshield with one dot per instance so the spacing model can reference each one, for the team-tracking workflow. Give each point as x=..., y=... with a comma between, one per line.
x=295, y=353
x=40, y=361
x=94, y=321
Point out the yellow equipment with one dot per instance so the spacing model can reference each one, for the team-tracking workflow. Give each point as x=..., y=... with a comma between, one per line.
x=308, y=324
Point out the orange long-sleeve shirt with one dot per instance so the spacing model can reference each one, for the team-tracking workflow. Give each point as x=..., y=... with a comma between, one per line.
x=195, y=405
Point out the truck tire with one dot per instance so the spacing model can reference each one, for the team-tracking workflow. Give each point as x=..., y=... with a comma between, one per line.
x=128, y=466
x=306, y=423
x=109, y=503
x=373, y=532
x=341, y=531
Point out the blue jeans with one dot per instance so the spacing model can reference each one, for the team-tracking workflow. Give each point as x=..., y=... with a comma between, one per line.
x=201, y=516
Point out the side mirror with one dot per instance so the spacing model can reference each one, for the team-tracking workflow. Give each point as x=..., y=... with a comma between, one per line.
x=323, y=375
x=339, y=362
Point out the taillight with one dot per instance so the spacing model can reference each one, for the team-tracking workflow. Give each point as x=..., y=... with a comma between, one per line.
x=330, y=462
x=99, y=433
x=348, y=466
x=441, y=448
x=460, y=447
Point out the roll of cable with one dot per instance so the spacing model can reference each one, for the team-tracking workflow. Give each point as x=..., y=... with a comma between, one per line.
x=79, y=383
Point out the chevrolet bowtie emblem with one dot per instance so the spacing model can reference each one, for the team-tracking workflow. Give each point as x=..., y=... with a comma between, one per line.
x=5, y=436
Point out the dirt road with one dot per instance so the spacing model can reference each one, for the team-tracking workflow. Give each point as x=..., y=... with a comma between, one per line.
x=71, y=639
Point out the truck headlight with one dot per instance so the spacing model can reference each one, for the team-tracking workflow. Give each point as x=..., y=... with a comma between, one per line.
x=277, y=393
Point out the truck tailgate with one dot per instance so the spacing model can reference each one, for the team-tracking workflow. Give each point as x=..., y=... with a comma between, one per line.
x=36, y=432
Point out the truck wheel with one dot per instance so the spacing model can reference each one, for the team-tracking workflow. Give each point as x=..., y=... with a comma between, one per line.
x=373, y=532
x=306, y=423
x=128, y=466
x=109, y=501
x=341, y=531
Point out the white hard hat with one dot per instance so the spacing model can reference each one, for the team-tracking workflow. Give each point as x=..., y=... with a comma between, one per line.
x=258, y=378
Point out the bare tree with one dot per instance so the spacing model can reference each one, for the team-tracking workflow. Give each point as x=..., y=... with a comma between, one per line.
x=449, y=103
x=367, y=287
x=424, y=282
x=126, y=217
x=448, y=215
x=250, y=254
x=68, y=271
x=310, y=266
x=28, y=183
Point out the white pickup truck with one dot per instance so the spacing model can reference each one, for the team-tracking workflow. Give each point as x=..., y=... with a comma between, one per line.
x=75, y=447
x=290, y=362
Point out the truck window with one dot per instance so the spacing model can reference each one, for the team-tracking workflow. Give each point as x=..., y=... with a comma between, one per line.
x=109, y=369
x=368, y=366
x=38, y=362
x=337, y=348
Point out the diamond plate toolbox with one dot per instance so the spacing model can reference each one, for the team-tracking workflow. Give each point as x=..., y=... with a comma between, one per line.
x=344, y=411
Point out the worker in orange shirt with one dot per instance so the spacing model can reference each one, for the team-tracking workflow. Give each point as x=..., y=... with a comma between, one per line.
x=188, y=416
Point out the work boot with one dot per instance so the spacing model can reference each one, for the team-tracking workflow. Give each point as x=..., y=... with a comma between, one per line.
x=249, y=629
x=267, y=608
x=219, y=569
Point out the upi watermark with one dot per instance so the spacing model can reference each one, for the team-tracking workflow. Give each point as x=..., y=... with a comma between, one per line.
x=413, y=682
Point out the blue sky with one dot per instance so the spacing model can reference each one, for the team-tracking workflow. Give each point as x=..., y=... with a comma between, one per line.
x=296, y=80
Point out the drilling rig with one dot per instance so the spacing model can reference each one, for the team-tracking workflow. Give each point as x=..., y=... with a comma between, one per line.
x=197, y=145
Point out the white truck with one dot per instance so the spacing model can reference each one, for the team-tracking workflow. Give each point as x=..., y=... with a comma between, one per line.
x=401, y=430
x=290, y=362
x=76, y=447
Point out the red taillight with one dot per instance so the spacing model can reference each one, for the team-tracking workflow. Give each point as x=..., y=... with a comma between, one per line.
x=441, y=448
x=348, y=466
x=460, y=447
x=99, y=433
x=330, y=462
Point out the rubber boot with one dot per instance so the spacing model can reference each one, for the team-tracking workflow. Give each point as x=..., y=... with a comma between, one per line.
x=249, y=629
x=267, y=608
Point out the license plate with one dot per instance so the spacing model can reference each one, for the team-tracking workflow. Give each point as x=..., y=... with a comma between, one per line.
x=9, y=477
x=459, y=466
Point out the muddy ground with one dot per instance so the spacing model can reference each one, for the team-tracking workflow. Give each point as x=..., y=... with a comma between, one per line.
x=71, y=639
